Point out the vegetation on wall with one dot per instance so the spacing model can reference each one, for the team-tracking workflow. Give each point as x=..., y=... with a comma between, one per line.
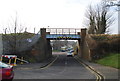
x=104, y=44
x=104, y=37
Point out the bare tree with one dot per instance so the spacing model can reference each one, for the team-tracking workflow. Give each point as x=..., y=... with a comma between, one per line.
x=99, y=18
x=11, y=36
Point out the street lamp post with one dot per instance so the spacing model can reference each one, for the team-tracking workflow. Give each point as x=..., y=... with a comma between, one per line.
x=118, y=9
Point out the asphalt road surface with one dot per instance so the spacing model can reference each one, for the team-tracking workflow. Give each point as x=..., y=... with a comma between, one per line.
x=63, y=67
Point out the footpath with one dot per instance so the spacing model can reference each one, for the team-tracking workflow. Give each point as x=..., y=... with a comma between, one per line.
x=108, y=73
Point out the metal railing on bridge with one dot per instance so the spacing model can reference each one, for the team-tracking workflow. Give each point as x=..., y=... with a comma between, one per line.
x=63, y=33
x=63, y=30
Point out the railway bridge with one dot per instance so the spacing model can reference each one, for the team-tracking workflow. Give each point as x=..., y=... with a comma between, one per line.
x=68, y=34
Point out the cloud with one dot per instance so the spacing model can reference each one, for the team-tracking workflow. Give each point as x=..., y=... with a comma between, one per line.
x=43, y=13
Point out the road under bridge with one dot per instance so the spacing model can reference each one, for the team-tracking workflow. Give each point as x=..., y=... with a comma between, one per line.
x=68, y=34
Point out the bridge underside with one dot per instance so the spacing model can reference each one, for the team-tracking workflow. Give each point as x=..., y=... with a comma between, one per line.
x=63, y=37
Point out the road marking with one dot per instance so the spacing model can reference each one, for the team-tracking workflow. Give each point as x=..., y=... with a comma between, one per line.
x=99, y=76
x=48, y=65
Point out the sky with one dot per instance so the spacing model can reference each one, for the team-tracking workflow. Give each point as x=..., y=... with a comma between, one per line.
x=43, y=13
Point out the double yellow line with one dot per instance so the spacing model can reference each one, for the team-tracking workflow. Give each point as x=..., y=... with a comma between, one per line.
x=99, y=76
x=48, y=65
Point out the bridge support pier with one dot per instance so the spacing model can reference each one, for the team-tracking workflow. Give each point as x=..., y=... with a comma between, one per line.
x=79, y=52
x=84, y=49
x=42, y=49
x=46, y=47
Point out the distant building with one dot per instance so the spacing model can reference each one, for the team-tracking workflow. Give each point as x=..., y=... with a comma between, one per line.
x=1, y=45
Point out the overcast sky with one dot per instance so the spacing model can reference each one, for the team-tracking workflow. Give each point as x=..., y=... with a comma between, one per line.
x=44, y=13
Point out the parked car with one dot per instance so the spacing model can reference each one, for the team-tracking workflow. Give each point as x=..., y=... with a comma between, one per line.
x=70, y=53
x=6, y=72
x=62, y=50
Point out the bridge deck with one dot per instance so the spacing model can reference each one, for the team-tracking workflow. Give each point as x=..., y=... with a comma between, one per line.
x=63, y=36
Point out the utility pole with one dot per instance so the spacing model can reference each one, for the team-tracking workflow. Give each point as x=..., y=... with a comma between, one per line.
x=15, y=34
x=34, y=30
x=4, y=42
x=112, y=3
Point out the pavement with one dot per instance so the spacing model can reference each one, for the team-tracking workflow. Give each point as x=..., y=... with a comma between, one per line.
x=108, y=73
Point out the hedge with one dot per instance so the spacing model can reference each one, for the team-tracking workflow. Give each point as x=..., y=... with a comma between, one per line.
x=104, y=44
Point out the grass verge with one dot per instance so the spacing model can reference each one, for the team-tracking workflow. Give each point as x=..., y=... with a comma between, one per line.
x=110, y=60
x=55, y=50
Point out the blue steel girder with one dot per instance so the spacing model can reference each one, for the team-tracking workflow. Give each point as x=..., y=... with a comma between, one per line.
x=63, y=36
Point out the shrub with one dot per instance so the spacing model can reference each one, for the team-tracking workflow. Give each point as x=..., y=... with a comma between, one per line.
x=104, y=44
